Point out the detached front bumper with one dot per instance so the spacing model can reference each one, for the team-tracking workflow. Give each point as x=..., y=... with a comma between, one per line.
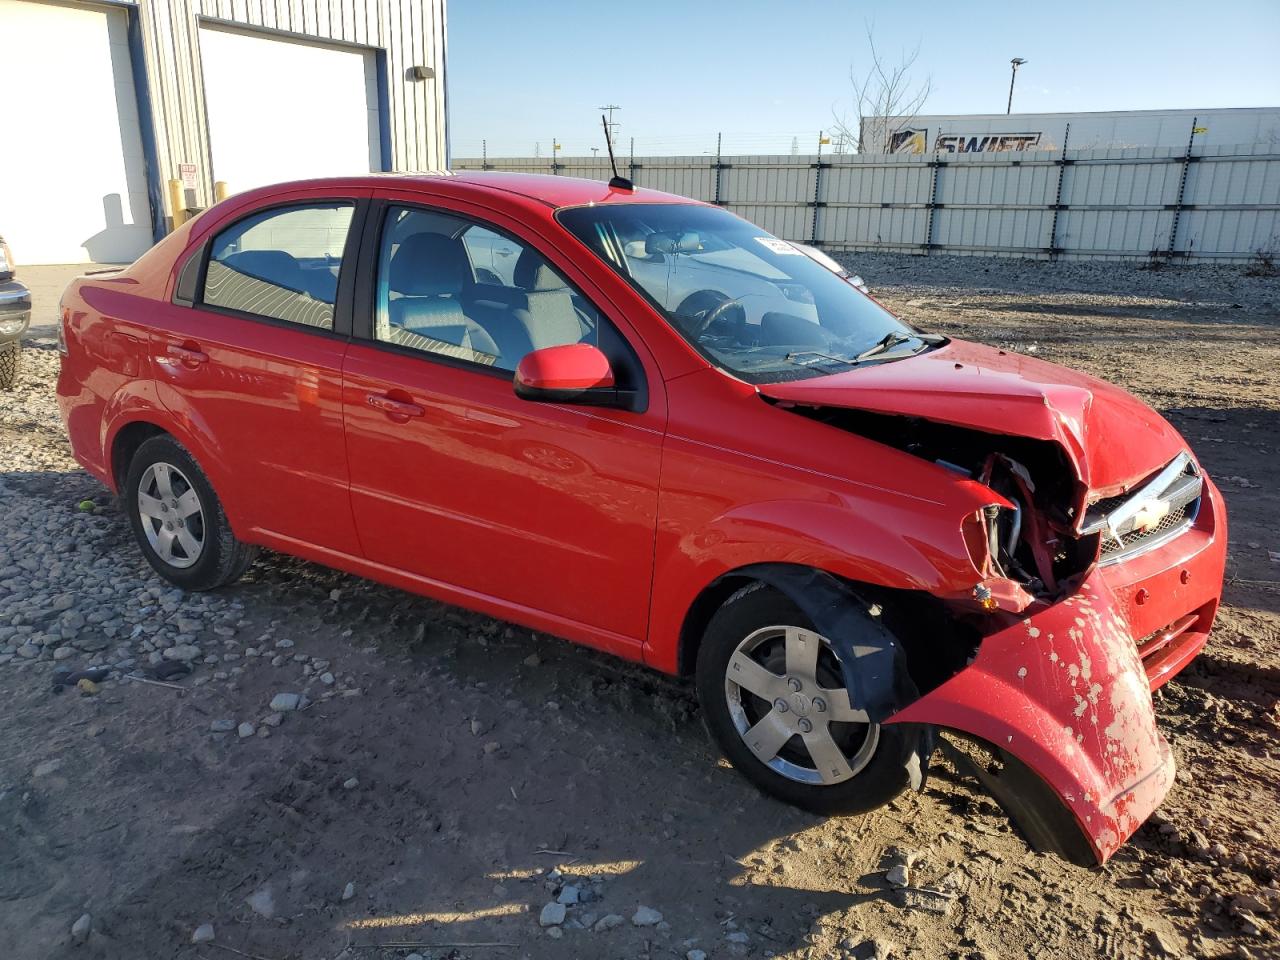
x=15, y=310
x=1066, y=694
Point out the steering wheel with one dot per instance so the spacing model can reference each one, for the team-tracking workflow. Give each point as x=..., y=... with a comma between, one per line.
x=700, y=320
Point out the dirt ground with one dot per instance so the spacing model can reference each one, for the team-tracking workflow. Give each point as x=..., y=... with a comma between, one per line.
x=454, y=774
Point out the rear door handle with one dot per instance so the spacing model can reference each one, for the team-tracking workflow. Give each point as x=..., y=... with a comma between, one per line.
x=393, y=407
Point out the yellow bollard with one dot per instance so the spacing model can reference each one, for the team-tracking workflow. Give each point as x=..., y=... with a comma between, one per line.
x=220, y=191
x=177, y=203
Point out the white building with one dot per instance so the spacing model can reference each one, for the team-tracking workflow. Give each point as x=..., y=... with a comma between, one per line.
x=996, y=132
x=107, y=102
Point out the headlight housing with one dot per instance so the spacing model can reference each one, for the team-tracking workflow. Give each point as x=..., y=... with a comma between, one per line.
x=12, y=326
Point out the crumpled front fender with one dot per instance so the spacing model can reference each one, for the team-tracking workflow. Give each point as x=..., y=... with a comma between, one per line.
x=1064, y=692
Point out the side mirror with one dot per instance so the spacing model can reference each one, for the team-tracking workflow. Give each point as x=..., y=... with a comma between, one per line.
x=569, y=373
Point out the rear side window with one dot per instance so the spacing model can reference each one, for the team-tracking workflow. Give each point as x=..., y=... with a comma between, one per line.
x=281, y=263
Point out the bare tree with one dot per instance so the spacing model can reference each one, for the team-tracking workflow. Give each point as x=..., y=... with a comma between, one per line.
x=886, y=98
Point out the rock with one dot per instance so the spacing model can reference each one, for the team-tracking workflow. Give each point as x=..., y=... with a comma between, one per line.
x=203, y=934
x=532, y=660
x=222, y=726
x=898, y=875
x=555, y=933
x=284, y=643
x=46, y=767
x=182, y=652
x=271, y=720
x=738, y=936
x=478, y=727
x=696, y=955
x=415, y=956
x=348, y=892
x=552, y=915
x=492, y=747
x=64, y=653
x=246, y=730
x=568, y=894
x=286, y=702
x=608, y=922
x=326, y=678
x=350, y=783
x=932, y=901
x=80, y=929
x=646, y=917
x=262, y=902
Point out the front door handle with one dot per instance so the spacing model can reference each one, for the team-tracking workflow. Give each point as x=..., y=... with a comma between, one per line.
x=396, y=409
x=187, y=356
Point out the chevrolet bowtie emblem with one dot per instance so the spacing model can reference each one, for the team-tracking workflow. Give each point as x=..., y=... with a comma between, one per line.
x=1149, y=515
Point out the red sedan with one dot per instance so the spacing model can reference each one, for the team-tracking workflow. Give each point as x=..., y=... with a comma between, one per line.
x=646, y=425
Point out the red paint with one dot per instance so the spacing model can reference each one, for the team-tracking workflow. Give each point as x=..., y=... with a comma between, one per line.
x=605, y=525
x=1111, y=437
x=573, y=366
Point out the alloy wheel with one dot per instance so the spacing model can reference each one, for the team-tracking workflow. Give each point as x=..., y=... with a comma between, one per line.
x=172, y=515
x=787, y=698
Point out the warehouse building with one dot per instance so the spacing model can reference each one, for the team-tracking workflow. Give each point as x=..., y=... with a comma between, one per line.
x=1103, y=130
x=108, y=103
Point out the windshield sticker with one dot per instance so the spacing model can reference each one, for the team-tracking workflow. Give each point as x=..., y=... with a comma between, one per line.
x=777, y=246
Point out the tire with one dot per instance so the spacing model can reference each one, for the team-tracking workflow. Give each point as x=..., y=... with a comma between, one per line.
x=875, y=756
x=185, y=535
x=9, y=364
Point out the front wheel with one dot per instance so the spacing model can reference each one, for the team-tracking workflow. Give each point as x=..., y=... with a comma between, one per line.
x=9, y=364
x=179, y=521
x=774, y=699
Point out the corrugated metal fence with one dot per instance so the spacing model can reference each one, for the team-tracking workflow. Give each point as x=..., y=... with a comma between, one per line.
x=1220, y=203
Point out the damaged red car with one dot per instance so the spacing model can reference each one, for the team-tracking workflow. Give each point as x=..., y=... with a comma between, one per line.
x=646, y=425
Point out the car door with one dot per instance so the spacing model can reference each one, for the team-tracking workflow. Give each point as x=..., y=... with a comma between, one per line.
x=545, y=512
x=252, y=364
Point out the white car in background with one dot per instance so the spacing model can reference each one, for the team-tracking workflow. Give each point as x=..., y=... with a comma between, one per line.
x=813, y=253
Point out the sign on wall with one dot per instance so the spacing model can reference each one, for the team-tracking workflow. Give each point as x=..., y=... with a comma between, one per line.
x=914, y=141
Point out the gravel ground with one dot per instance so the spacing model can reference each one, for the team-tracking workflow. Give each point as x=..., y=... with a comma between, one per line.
x=349, y=771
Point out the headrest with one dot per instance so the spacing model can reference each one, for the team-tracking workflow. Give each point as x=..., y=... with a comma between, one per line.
x=428, y=265
x=672, y=241
x=533, y=273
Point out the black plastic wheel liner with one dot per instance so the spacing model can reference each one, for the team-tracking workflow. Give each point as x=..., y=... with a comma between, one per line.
x=1045, y=821
x=872, y=660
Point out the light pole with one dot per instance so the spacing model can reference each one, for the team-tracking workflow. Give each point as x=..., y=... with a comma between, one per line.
x=1016, y=62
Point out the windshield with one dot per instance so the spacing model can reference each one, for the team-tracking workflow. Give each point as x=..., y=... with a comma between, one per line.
x=750, y=302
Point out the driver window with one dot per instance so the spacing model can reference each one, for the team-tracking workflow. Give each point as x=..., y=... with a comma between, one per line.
x=456, y=288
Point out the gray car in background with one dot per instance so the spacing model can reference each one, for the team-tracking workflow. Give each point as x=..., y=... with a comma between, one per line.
x=15, y=315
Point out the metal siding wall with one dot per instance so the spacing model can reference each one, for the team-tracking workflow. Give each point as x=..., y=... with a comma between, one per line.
x=411, y=31
x=1116, y=203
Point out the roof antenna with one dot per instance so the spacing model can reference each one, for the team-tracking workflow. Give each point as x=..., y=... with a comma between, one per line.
x=618, y=182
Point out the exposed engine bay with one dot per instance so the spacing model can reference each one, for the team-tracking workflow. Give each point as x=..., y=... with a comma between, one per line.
x=1034, y=542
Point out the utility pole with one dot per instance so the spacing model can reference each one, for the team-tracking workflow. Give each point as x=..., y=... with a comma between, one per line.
x=611, y=124
x=1016, y=62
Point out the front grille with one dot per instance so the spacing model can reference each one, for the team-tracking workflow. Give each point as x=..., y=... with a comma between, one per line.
x=1176, y=517
x=1124, y=522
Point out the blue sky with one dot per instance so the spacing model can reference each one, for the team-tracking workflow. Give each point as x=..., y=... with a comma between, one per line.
x=765, y=72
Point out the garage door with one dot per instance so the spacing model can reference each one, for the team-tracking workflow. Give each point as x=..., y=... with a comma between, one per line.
x=73, y=185
x=284, y=110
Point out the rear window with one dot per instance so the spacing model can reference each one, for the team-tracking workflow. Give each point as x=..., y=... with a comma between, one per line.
x=281, y=263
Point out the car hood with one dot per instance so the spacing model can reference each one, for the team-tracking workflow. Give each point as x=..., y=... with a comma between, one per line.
x=1112, y=439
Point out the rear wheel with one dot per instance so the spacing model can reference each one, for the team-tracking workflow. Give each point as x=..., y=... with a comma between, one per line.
x=773, y=697
x=179, y=521
x=9, y=364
